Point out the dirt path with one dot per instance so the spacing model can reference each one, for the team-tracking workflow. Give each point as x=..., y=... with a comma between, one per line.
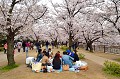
x=3, y=57
x=97, y=59
x=23, y=72
x=107, y=55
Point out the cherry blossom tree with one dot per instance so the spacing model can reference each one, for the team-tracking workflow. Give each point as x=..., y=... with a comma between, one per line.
x=17, y=16
x=111, y=13
x=67, y=13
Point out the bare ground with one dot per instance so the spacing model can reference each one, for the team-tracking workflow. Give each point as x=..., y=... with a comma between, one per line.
x=107, y=55
x=23, y=72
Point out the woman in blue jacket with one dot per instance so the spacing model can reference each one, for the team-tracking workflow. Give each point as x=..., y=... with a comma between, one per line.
x=67, y=60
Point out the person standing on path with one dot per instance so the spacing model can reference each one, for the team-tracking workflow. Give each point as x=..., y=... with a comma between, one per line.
x=19, y=45
x=26, y=49
x=31, y=45
x=5, y=48
x=52, y=43
x=37, y=44
x=23, y=45
x=47, y=43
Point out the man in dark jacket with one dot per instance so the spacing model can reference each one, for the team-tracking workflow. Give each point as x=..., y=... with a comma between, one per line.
x=76, y=58
x=47, y=43
x=23, y=45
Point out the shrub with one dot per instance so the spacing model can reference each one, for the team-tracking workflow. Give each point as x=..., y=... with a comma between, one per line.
x=1, y=49
x=112, y=68
x=81, y=56
x=7, y=68
x=64, y=48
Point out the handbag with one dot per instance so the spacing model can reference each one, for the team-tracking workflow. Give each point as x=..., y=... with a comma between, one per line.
x=65, y=67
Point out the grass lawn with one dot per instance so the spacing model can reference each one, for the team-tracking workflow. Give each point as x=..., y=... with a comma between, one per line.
x=118, y=59
x=1, y=49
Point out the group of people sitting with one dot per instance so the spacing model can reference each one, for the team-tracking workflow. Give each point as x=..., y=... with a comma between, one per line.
x=56, y=61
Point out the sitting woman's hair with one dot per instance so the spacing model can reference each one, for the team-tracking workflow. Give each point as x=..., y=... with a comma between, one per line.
x=58, y=51
x=64, y=53
x=57, y=56
x=44, y=52
x=39, y=50
x=49, y=49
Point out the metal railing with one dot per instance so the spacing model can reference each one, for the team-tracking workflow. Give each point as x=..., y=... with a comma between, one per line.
x=104, y=48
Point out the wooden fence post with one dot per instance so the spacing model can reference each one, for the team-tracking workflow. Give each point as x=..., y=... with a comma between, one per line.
x=104, y=49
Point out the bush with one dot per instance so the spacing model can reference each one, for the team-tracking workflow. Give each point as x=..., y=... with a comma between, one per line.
x=7, y=68
x=81, y=56
x=64, y=48
x=112, y=68
x=1, y=49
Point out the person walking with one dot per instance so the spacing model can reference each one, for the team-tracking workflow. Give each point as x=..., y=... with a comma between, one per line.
x=23, y=45
x=52, y=43
x=19, y=45
x=37, y=44
x=26, y=49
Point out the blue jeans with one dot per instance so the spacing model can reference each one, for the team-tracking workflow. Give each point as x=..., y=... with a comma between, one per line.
x=26, y=50
x=46, y=48
x=37, y=48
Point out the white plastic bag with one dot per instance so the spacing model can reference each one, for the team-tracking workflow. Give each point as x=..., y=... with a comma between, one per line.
x=29, y=60
x=83, y=63
x=36, y=66
x=80, y=63
x=49, y=68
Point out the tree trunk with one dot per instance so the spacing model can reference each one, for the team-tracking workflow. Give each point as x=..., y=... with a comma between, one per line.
x=87, y=47
x=55, y=42
x=10, y=49
x=90, y=46
x=70, y=41
x=119, y=31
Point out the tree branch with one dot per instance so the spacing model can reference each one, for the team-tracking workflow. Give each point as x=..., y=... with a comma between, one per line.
x=67, y=7
x=41, y=15
x=3, y=12
x=77, y=11
x=95, y=39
